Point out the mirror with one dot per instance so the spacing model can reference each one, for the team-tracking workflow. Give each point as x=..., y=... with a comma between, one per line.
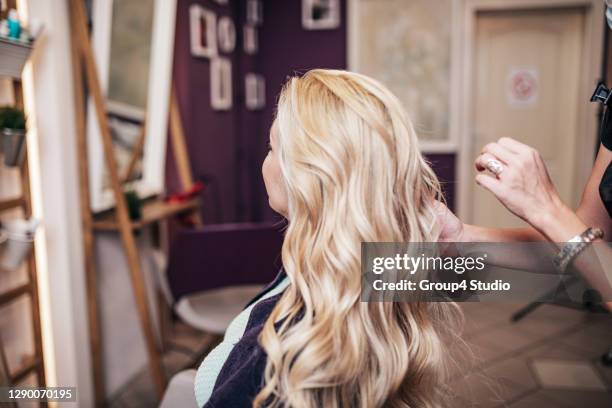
x=133, y=43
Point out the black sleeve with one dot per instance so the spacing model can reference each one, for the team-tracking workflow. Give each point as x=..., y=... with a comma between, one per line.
x=605, y=188
x=606, y=129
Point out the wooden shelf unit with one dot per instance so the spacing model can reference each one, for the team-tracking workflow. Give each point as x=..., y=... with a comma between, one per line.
x=34, y=363
x=30, y=365
x=7, y=204
x=14, y=293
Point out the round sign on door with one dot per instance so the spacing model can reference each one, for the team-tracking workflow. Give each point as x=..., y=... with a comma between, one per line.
x=522, y=87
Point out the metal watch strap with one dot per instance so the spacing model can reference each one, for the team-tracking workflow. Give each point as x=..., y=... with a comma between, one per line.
x=574, y=246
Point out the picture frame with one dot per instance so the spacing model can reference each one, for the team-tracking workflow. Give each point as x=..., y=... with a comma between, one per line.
x=254, y=12
x=158, y=84
x=412, y=81
x=320, y=14
x=250, y=39
x=226, y=32
x=255, y=91
x=221, y=84
x=203, y=31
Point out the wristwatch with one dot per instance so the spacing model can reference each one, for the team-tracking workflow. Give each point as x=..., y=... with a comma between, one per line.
x=574, y=246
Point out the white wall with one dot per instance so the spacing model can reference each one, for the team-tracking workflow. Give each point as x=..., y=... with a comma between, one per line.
x=54, y=182
x=123, y=345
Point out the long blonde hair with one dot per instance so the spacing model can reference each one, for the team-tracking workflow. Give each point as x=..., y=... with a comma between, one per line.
x=353, y=171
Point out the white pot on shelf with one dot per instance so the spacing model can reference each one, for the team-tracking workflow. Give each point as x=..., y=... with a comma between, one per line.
x=17, y=242
x=13, y=56
x=13, y=146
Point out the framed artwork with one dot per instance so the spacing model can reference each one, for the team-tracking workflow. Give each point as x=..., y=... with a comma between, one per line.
x=320, y=14
x=133, y=44
x=255, y=91
x=250, y=41
x=414, y=62
x=254, y=12
x=221, y=84
x=203, y=31
x=227, y=34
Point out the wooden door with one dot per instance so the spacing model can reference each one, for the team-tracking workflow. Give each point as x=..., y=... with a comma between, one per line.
x=526, y=86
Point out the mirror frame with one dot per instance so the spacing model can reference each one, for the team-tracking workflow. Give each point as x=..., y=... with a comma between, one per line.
x=158, y=99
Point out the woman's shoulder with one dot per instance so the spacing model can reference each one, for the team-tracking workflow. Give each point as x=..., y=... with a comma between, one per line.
x=280, y=277
x=241, y=376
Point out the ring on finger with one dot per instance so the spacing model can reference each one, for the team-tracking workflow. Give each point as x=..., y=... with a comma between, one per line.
x=495, y=166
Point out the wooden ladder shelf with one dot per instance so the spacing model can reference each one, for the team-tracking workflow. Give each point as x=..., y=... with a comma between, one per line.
x=34, y=363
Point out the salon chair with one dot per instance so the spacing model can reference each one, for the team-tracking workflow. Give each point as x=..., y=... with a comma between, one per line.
x=211, y=275
x=179, y=392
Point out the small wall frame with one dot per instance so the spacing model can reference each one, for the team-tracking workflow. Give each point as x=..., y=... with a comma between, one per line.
x=203, y=31
x=255, y=91
x=221, y=84
x=250, y=39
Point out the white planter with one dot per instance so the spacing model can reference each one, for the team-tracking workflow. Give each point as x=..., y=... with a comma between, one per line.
x=13, y=252
x=13, y=55
x=13, y=146
x=17, y=243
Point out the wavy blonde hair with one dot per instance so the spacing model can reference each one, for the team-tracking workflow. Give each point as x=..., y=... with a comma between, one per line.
x=353, y=171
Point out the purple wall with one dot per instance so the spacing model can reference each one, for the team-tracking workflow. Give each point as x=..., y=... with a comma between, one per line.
x=289, y=49
x=214, y=138
x=227, y=148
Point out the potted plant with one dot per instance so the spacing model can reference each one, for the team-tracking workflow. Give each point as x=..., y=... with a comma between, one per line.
x=13, y=132
x=133, y=202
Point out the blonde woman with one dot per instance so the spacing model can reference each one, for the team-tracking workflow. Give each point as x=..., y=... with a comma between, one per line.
x=343, y=167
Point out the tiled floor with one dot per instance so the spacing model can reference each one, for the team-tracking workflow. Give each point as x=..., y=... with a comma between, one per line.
x=562, y=345
x=186, y=348
x=549, y=359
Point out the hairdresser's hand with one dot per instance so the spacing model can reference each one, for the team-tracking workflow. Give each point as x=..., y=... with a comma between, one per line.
x=523, y=185
x=451, y=227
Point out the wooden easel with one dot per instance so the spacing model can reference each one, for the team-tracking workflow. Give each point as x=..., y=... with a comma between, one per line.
x=85, y=75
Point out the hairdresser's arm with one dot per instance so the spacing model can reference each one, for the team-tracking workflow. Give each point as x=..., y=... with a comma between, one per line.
x=473, y=238
x=526, y=190
x=454, y=230
x=590, y=211
x=475, y=233
x=524, y=187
